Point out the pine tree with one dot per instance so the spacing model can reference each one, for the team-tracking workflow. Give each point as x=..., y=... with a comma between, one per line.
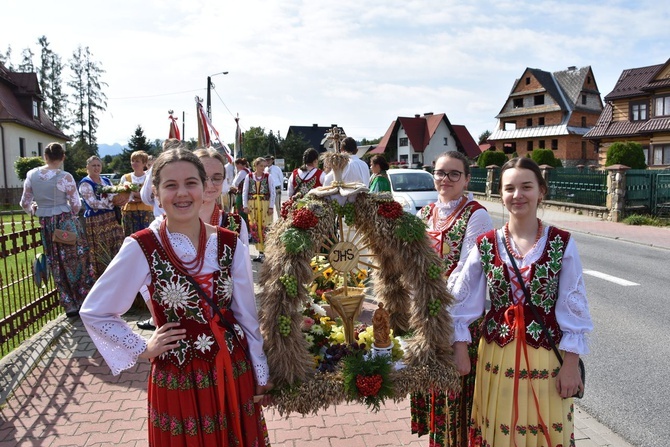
x=89, y=99
x=26, y=65
x=6, y=59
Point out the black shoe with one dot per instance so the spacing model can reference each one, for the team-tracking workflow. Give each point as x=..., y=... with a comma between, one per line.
x=147, y=325
x=257, y=259
x=73, y=315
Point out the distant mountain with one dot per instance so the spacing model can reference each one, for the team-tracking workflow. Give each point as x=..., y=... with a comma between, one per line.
x=106, y=149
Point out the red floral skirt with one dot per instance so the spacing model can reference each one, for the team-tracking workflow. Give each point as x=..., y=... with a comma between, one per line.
x=185, y=408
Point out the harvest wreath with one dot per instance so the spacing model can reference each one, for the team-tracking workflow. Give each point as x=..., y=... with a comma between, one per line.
x=408, y=282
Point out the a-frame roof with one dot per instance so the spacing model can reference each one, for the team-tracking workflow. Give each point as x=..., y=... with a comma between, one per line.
x=314, y=134
x=17, y=90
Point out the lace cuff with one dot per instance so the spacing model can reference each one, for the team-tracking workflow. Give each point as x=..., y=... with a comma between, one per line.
x=262, y=373
x=461, y=333
x=574, y=342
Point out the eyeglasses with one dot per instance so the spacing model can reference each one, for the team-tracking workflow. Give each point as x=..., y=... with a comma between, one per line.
x=453, y=176
x=215, y=179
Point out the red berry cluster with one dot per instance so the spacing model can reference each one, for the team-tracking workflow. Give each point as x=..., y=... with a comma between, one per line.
x=369, y=385
x=304, y=219
x=286, y=207
x=390, y=210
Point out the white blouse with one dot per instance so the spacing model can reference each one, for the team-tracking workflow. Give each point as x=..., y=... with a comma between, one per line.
x=66, y=184
x=114, y=292
x=572, y=311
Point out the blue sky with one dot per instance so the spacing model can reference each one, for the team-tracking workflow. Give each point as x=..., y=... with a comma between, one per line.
x=359, y=64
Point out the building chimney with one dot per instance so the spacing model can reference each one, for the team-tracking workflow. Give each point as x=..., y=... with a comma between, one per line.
x=572, y=68
x=315, y=125
x=428, y=114
x=417, y=116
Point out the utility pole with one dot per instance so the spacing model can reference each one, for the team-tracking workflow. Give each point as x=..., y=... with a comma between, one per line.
x=209, y=93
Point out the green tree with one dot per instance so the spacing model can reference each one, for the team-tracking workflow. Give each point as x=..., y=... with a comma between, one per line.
x=484, y=136
x=26, y=65
x=545, y=157
x=51, y=84
x=89, y=99
x=255, y=143
x=24, y=164
x=6, y=59
x=366, y=142
x=76, y=156
x=488, y=158
x=293, y=147
x=138, y=142
x=627, y=153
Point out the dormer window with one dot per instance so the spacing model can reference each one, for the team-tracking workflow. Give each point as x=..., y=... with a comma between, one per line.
x=36, y=110
x=638, y=111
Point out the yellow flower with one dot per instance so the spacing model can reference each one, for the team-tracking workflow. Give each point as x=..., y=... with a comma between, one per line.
x=328, y=273
x=362, y=274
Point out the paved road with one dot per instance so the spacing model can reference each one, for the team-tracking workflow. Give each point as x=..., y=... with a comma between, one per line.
x=65, y=396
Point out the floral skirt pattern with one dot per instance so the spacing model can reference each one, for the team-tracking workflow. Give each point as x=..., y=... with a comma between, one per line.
x=543, y=418
x=70, y=265
x=105, y=236
x=185, y=409
x=136, y=220
x=259, y=222
x=445, y=417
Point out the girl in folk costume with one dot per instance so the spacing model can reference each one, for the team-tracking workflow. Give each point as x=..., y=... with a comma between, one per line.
x=207, y=352
x=522, y=393
x=258, y=197
x=211, y=211
x=379, y=181
x=135, y=214
x=103, y=233
x=243, y=171
x=308, y=176
x=51, y=194
x=454, y=222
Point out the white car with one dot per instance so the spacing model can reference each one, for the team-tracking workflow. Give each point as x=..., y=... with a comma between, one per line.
x=412, y=188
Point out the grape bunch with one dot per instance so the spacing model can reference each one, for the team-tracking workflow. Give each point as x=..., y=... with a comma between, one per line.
x=348, y=211
x=335, y=353
x=284, y=325
x=434, y=307
x=290, y=284
x=434, y=271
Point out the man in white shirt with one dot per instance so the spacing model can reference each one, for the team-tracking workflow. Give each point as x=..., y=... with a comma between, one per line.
x=277, y=176
x=357, y=171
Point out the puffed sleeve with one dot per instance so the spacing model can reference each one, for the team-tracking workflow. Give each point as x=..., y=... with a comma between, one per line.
x=273, y=193
x=246, y=314
x=112, y=296
x=469, y=291
x=572, y=309
x=88, y=194
x=479, y=223
x=245, y=192
x=69, y=187
x=27, y=196
x=290, y=189
x=146, y=192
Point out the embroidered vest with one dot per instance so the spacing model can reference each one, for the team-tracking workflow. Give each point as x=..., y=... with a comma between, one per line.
x=542, y=285
x=174, y=299
x=451, y=239
x=231, y=221
x=259, y=188
x=96, y=188
x=303, y=186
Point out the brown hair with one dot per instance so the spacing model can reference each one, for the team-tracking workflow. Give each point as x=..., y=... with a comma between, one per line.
x=349, y=145
x=242, y=161
x=54, y=151
x=211, y=153
x=174, y=155
x=380, y=161
x=524, y=163
x=457, y=155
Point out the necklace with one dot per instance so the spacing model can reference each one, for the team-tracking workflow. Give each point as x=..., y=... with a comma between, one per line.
x=443, y=223
x=509, y=246
x=184, y=267
x=216, y=216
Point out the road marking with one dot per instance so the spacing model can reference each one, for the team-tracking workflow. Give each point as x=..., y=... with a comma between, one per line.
x=614, y=279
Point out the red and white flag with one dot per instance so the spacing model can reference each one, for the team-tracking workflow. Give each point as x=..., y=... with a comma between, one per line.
x=174, y=129
x=207, y=133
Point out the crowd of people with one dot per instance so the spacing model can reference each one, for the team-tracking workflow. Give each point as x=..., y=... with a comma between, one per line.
x=188, y=223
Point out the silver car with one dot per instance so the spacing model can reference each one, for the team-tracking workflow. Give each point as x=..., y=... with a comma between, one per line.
x=412, y=188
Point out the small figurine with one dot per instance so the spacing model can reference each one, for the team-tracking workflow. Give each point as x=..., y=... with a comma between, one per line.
x=381, y=327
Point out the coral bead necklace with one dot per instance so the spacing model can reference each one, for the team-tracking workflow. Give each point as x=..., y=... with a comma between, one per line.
x=508, y=237
x=185, y=267
x=216, y=216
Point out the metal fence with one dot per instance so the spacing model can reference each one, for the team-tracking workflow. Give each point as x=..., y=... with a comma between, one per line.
x=574, y=185
x=25, y=308
x=477, y=180
x=648, y=191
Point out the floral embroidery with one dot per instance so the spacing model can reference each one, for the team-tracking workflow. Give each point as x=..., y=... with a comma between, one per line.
x=204, y=342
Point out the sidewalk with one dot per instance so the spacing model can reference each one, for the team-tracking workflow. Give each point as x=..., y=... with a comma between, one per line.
x=65, y=395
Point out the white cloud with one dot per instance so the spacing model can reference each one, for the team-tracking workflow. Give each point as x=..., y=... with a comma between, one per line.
x=353, y=63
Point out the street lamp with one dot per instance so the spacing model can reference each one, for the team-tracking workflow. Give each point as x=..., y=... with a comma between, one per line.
x=209, y=93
